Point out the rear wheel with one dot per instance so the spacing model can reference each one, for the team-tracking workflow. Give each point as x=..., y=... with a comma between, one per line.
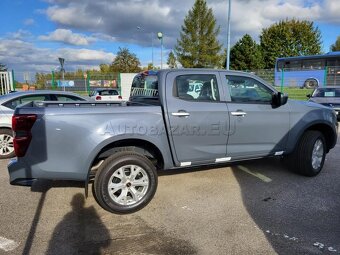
x=6, y=144
x=125, y=182
x=309, y=156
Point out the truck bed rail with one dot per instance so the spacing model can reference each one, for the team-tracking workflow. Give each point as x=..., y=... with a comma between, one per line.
x=67, y=104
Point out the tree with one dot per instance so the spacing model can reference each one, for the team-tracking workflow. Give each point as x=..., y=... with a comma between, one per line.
x=246, y=54
x=3, y=67
x=105, y=68
x=290, y=38
x=172, y=60
x=125, y=62
x=198, y=45
x=336, y=45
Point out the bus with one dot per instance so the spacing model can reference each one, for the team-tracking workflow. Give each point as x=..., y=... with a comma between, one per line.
x=308, y=71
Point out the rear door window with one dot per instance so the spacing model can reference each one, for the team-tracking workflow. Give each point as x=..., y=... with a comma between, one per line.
x=197, y=87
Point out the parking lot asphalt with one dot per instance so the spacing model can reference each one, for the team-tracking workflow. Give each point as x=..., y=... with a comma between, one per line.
x=256, y=207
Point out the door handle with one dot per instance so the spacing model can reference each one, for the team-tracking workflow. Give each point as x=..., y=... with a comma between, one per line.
x=238, y=113
x=180, y=114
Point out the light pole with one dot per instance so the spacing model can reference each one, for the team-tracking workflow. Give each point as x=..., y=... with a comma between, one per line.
x=228, y=37
x=160, y=37
x=152, y=49
x=62, y=60
x=140, y=28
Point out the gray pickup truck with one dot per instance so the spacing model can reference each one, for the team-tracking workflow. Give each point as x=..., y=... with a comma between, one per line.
x=174, y=119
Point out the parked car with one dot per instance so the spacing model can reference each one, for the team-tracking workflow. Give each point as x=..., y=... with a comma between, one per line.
x=10, y=101
x=106, y=94
x=122, y=146
x=328, y=96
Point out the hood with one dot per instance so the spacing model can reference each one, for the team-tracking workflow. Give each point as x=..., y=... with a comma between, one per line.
x=326, y=100
x=307, y=103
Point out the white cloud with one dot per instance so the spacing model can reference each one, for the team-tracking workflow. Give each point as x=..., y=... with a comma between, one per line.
x=120, y=18
x=330, y=11
x=86, y=55
x=29, y=22
x=68, y=37
x=117, y=21
x=20, y=34
x=104, y=37
x=24, y=56
x=251, y=16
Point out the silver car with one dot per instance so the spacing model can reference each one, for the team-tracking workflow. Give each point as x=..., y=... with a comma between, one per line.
x=10, y=101
x=327, y=96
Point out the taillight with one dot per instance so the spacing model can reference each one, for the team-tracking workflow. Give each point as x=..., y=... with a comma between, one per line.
x=22, y=125
x=98, y=98
x=120, y=97
x=21, y=144
x=23, y=122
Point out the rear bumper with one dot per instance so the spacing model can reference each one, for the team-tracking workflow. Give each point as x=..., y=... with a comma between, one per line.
x=23, y=182
x=23, y=173
x=18, y=174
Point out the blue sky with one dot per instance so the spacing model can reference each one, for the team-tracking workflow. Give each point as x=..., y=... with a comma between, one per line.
x=86, y=33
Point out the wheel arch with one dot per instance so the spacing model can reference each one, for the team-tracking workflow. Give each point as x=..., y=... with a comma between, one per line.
x=6, y=127
x=325, y=129
x=144, y=147
x=141, y=146
x=327, y=132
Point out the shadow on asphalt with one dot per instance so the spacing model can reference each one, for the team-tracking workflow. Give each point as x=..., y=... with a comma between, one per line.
x=80, y=232
x=295, y=213
x=43, y=186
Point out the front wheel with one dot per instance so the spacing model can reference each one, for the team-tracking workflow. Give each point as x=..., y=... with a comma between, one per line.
x=309, y=156
x=125, y=182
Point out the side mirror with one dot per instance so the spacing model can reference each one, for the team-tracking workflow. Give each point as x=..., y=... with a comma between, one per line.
x=279, y=99
x=309, y=95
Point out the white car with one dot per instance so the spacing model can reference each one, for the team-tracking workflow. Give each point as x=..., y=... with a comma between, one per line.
x=105, y=94
x=8, y=103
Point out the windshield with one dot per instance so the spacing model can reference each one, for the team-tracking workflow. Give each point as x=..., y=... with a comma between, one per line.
x=326, y=92
x=144, y=85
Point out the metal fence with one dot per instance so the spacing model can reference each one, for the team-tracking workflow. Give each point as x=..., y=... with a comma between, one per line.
x=6, y=82
x=300, y=82
x=80, y=82
x=297, y=83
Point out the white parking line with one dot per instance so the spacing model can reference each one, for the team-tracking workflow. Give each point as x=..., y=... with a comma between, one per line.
x=7, y=244
x=256, y=174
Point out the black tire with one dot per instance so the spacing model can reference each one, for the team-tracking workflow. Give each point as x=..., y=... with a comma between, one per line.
x=301, y=160
x=6, y=145
x=310, y=84
x=115, y=170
